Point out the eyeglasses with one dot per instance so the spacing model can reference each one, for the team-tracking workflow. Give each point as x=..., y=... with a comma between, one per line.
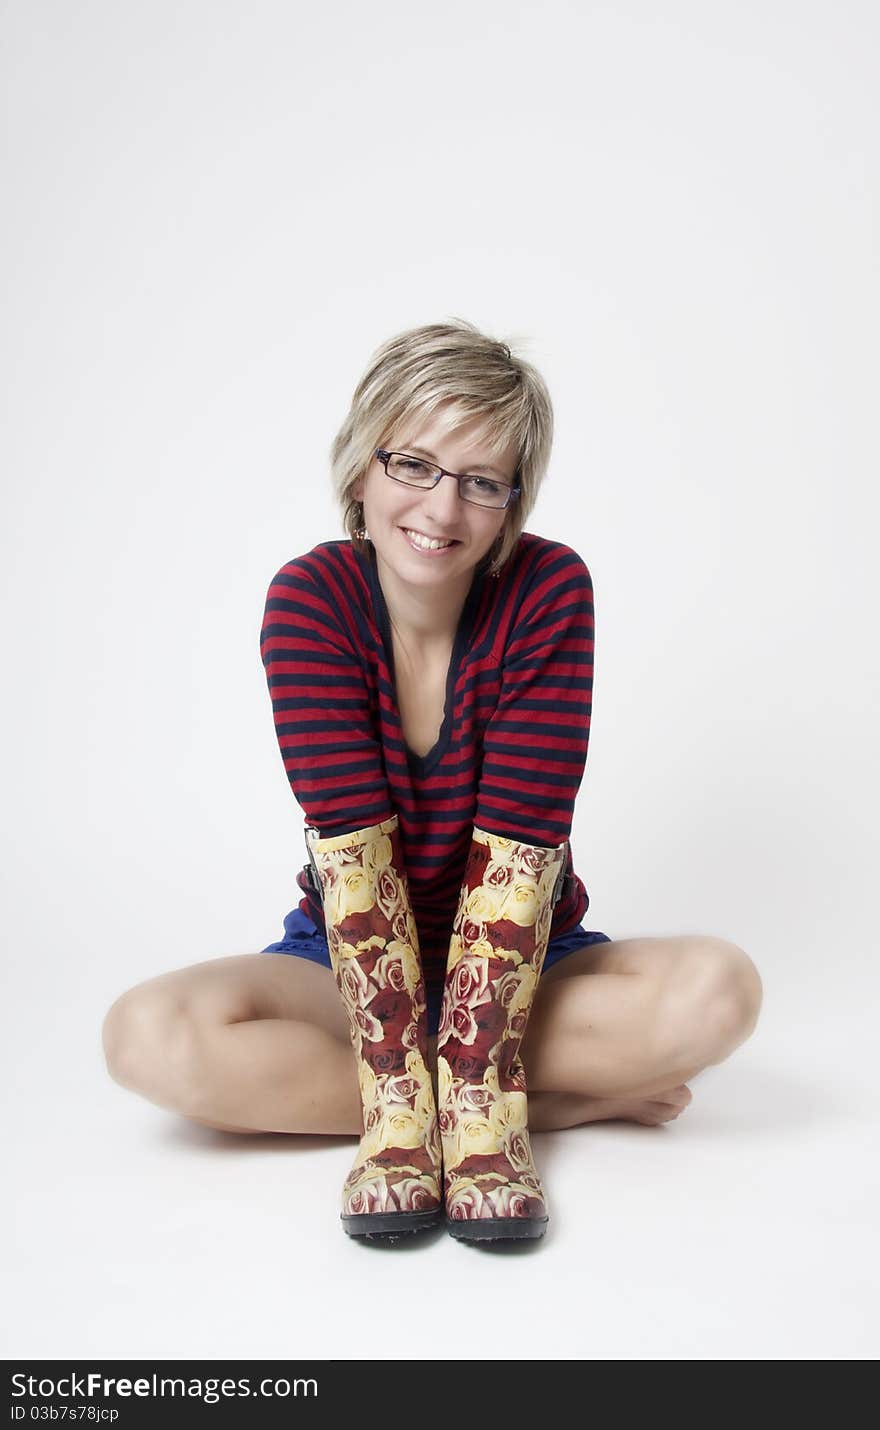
x=413, y=472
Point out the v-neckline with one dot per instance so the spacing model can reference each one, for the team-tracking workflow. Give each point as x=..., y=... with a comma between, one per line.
x=422, y=765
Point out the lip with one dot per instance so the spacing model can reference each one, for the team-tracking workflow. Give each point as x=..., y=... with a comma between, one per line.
x=442, y=551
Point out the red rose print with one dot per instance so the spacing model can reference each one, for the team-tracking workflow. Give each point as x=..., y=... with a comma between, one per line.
x=516, y=1026
x=513, y=936
x=466, y=1066
x=388, y=1058
x=533, y=862
x=471, y=931
x=499, y=877
x=490, y=1020
x=475, y=869
x=470, y=982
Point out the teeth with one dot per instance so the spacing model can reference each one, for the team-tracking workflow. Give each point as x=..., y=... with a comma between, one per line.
x=423, y=541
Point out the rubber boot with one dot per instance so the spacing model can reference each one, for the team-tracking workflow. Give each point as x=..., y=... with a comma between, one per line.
x=499, y=938
x=394, y=1187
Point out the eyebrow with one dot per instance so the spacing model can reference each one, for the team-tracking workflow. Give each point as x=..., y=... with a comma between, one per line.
x=472, y=466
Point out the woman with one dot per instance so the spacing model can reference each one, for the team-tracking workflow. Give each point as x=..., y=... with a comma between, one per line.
x=431, y=683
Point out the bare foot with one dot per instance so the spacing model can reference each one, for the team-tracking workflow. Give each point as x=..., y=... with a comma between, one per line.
x=551, y=1111
x=660, y=1107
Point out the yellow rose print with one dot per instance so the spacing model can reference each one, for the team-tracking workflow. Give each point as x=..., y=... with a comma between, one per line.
x=521, y=905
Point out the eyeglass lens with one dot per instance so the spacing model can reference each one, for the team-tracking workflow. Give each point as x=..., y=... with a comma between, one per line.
x=482, y=490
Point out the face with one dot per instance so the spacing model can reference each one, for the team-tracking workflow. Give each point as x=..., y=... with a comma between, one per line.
x=391, y=508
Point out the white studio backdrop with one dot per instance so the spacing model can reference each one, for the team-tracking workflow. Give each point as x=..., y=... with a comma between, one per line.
x=214, y=213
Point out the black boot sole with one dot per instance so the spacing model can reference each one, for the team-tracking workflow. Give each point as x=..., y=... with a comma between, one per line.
x=390, y=1226
x=497, y=1228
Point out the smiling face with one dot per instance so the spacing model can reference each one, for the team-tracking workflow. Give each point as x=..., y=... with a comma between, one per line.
x=391, y=508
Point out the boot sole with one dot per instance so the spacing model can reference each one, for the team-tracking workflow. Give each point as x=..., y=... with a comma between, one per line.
x=497, y=1228
x=390, y=1226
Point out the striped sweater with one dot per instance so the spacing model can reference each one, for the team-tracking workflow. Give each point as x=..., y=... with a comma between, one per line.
x=511, y=752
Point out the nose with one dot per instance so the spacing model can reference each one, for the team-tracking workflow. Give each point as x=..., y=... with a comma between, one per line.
x=444, y=503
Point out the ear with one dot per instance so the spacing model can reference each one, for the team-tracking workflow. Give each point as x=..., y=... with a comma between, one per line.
x=357, y=490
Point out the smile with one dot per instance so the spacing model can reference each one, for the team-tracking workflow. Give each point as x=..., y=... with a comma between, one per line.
x=426, y=543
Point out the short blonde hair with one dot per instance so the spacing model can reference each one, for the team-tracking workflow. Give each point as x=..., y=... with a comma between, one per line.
x=418, y=371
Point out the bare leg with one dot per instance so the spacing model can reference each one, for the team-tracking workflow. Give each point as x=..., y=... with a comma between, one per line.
x=618, y=1029
x=288, y=1076
x=259, y=1042
x=276, y=1075
x=254, y=1043
x=550, y=1111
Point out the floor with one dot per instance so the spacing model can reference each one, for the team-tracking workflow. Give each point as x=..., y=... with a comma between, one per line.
x=744, y=1230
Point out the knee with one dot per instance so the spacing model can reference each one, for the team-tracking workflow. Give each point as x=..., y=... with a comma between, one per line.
x=717, y=999
x=150, y=1045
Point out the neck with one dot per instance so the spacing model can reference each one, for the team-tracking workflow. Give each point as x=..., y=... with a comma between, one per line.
x=427, y=619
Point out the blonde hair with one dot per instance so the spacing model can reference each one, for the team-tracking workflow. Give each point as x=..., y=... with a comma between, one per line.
x=418, y=371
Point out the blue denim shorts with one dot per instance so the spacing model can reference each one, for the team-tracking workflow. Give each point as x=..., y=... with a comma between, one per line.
x=302, y=938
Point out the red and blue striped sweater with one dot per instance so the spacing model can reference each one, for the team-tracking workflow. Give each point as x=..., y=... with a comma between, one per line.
x=512, y=749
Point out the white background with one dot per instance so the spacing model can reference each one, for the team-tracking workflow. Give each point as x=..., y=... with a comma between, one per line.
x=214, y=213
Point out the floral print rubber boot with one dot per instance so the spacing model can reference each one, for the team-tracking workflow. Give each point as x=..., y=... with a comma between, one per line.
x=395, y=1185
x=499, y=939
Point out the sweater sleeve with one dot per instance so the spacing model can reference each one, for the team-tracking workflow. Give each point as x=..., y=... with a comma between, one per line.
x=535, y=744
x=321, y=708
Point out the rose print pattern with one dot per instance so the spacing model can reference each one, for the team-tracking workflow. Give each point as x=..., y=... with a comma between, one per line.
x=499, y=939
x=374, y=951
